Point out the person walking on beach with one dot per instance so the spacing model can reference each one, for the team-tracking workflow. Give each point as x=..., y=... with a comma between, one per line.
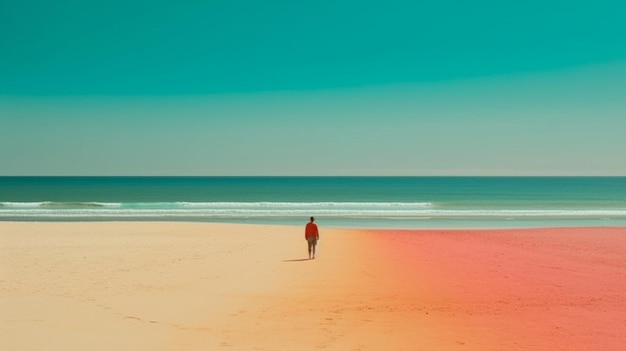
x=312, y=235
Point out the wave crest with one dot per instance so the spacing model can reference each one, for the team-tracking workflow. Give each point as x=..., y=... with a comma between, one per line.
x=230, y=210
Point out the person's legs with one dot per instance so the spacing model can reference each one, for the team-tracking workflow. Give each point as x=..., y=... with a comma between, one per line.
x=310, y=245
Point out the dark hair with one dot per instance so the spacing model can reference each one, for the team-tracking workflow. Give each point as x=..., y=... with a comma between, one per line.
x=312, y=219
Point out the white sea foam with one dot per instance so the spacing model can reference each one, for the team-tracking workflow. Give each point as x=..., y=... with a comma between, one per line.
x=230, y=210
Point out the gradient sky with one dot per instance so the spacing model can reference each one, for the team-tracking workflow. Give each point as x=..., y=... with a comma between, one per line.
x=219, y=87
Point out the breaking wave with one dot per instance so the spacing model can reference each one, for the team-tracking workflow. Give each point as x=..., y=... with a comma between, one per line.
x=234, y=210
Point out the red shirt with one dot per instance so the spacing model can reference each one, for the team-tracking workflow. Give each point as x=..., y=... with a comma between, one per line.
x=311, y=231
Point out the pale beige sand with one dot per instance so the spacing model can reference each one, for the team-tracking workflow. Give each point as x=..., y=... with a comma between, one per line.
x=197, y=286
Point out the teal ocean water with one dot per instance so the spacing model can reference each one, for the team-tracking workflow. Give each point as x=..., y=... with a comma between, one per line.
x=358, y=202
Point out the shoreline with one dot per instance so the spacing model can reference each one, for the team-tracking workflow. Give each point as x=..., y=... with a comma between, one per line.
x=197, y=285
x=325, y=223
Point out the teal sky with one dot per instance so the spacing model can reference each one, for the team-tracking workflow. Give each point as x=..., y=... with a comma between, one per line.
x=220, y=87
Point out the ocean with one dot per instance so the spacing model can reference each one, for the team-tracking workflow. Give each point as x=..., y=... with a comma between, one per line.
x=355, y=202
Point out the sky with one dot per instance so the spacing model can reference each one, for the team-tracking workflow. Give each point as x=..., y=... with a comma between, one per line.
x=219, y=87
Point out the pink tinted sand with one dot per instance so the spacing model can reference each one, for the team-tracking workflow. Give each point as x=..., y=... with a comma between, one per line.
x=193, y=286
x=533, y=289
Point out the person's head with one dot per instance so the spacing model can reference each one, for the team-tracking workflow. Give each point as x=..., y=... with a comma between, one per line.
x=312, y=219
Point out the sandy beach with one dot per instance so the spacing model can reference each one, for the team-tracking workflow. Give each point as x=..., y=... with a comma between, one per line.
x=199, y=286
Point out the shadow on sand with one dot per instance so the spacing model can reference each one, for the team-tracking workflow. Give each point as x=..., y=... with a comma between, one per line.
x=298, y=260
